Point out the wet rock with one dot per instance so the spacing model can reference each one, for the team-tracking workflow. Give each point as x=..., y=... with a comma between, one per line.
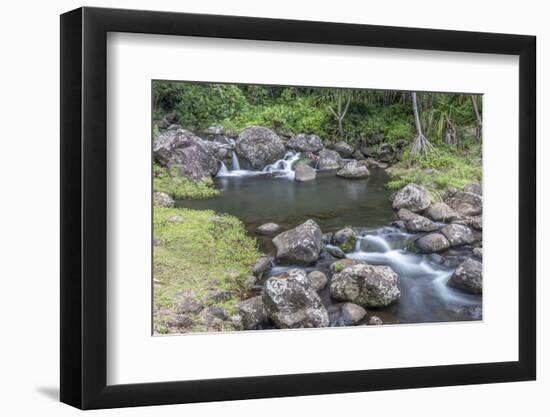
x=193, y=162
x=345, y=239
x=187, y=302
x=420, y=224
x=375, y=321
x=412, y=197
x=351, y=314
x=327, y=238
x=353, y=170
x=468, y=277
x=441, y=212
x=406, y=215
x=317, y=280
x=305, y=143
x=335, y=251
x=161, y=199
x=475, y=222
x=168, y=142
x=343, y=148
x=467, y=204
x=290, y=301
x=358, y=155
x=175, y=219
x=252, y=313
x=478, y=253
x=434, y=242
x=300, y=245
x=342, y=264
x=329, y=159
x=366, y=285
x=386, y=153
x=249, y=282
x=269, y=229
x=473, y=188
x=259, y=146
x=303, y=173
x=458, y=234
x=261, y=266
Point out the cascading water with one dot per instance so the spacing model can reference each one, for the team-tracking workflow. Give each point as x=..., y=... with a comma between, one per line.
x=235, y=166
x=280, y=168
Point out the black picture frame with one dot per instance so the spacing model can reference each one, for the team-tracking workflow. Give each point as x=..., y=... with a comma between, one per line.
x=84, y=207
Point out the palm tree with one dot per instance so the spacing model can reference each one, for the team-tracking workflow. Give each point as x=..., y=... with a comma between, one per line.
x=421, y=146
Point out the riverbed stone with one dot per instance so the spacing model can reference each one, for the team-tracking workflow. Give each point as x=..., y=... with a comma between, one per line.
x=420, y=224
x=261, y=266
x=317, y=280
x=303, y=173
x=335, y=251
x=412, y=197
x=187, y=302
x=343, y=148
x=375, y=321
x=193, y=162
x=300, y=245
x=353, y=170
x=478, y=253
x=351, y=314
x=366, y=285
x=252, y=312
x=290, y=301
x=386, y=153
x=466, y=204
x=269, y=229
x=406, y=215
x=433, y=242
x=468, y=277
x=458, y=234
x=305, y=143
x=342, y=264
x=329, y=159
x=166, y=143
x=473, y=188
x=162, y=199
x=259, y=146
x=345, y=239
x=441, y=212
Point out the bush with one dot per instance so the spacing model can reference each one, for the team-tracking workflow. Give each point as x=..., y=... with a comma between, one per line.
x=179, y=187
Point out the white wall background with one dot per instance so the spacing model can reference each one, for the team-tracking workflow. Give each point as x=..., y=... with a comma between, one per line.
x=29, y=177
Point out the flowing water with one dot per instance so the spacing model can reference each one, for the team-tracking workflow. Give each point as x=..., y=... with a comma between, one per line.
x=271, y=195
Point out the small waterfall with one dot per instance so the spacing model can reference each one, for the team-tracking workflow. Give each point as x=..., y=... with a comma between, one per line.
x=223, y=169
x=235, y=162
x=283, y=167
x=375, y=243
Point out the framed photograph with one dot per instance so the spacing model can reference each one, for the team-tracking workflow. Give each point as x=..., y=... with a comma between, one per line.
x=258, y=208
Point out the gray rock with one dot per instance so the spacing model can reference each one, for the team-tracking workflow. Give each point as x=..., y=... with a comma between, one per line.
x=345, y=239
x=473, y=188
x=406, y=215
x=369, y=151
x=342, y=264
x=386, y=153
x=458, y=234
x=269, y=229
x=375, y=321
x=335, y=251
x=259, y=146
x=300, y=245
x=166, y=143
x=249, y=282
x=161, y=199
x=478, y=253
x=303, y=172
x=353, y=170
x=194, y=162
x=317, y=280
x=252, y=313
x=441, y=212
x=366, y=285
x=412, y=197
x=374, y=139
x=358, y=155
x=262, y=265
x=305, y=143
x=344, y=149
x=420, y=224
x=290, y=301
x=468, y=277
x=351, y=314
x=467, y=204
x=434, y=242
x=329, y=159
x=187, y=302
x=175, y=219
x=400, y=143
x=475, y=222
x=216, y=296
x=212, y=313
x=181, y=320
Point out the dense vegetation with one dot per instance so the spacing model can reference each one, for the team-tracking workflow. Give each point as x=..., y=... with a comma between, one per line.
x=173, y=184
x=448, y=121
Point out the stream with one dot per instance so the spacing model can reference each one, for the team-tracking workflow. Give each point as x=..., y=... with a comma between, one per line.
x=271, y=195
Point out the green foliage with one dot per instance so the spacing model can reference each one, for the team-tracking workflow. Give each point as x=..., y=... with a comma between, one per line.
x=205, y=251
x=179, y=187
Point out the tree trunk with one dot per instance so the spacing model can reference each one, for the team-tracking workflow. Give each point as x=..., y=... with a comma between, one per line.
x=478, y=116
x=421, y=146
x=416, y=116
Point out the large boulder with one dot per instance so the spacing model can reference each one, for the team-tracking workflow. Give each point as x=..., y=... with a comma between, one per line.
x=340, y=265
x=305, y=143
x=354, y=170
x=290, y=301
x=168, y=141
x=317, y=280
x=468, y=277
x=194, y=162
x=467, y=204
x=300, y=245
x=473, y=188
x=329, y=159
x=406, y=215
x=458, y=234
x=441, y=212
x=161, y=199
x=343, y=148
x=303, y=173
x=345, y=239
x=420, y=224
x=434, y=242
x=366, y=285
x=386, y=153
x=259, y=146
x=252, y=312
x=412, y=197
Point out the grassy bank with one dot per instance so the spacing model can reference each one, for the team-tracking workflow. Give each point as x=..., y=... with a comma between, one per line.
x=205, y=251
x=179, y=187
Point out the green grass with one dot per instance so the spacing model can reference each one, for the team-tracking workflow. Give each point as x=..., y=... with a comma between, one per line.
x=180, y=187
x=453, y=167
x=206, y=251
